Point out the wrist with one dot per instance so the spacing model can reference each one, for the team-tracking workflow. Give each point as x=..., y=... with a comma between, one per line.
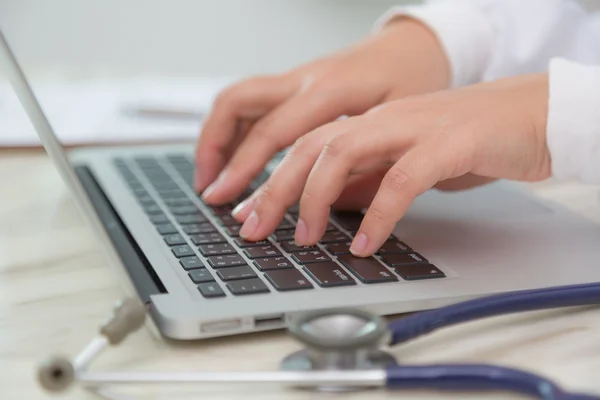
x=417, y=56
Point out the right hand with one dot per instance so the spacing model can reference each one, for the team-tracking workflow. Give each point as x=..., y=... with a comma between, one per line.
x=253, y=120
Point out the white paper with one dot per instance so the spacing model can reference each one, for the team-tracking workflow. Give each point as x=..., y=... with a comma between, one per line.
x=99, y=111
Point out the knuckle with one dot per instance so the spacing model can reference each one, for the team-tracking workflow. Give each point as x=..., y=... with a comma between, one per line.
x=327, y=88
x=303, y=144
x=377, y=215
x=336, y=147
x=266, y=195
x=226, y=96
x=396, y=179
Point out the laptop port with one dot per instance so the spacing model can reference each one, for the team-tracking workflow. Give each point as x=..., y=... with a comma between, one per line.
x=221, y=326
x=269, y=321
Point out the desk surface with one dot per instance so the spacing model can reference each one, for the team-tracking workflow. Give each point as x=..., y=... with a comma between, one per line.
x=55, y=290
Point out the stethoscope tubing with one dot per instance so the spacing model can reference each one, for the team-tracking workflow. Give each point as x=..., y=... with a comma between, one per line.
x=413, y=326
x=477, y=377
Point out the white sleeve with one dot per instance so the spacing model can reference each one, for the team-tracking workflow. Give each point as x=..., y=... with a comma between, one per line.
x=490, y=39
x=573, y=126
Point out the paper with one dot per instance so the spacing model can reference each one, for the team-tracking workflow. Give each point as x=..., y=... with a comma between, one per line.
x=111, y=111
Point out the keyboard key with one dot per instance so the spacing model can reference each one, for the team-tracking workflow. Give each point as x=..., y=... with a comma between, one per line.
x=329, y=274
x=178, y=203
x=284, y=235
x=201, y=276
x=243, y=244
x=207, y=238
x=285, y=224
x=146, y=200
x=233, y=230
x=204, y=227
x=211, y=289
x=368, y=270
x=414, y=272
x=266, y=264
x=182, y=251
x=190, y=219
x=306, y=257
x=229, y=260
x=227, y=220
x=172, y=194
x=174, y=240
x=166, y=229
x=216, y=249
x=294, y=210
x=247, y=286
x=396, y=259
x=348, y=220
x=158, y=219
x=152, y=209
x=262, y=252
x=186, y=210
x=333, y=237
x=225, y=209
x=191, y=263
x=338, y=248
x=393, y=246
x=139, y=192
x=288, y=279
x=236, y=273
x=291, y=247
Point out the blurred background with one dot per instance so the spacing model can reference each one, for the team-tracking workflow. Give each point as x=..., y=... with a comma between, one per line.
x=193, y=41
x=183, y=37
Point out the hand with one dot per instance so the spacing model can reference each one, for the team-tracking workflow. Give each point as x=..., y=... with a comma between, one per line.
x=491, y=130
x=254, y=119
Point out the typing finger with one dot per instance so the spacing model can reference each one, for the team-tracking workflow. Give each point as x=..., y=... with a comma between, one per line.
x=250, y=99
x=364, y=149
x=271, y=134
x=416, y=172
x=265, y=209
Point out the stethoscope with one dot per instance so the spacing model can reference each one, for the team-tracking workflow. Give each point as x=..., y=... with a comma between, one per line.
x=343, y=351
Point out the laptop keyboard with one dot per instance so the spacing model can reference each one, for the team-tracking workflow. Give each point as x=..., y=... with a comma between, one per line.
x=206, y=243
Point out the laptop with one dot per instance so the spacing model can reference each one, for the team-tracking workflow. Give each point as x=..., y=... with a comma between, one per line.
x=198, y=279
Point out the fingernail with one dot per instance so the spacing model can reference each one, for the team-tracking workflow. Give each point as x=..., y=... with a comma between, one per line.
x=240, y=212
x=359, y=245
x=214, y=186
x=301, y=234
x=250, y=225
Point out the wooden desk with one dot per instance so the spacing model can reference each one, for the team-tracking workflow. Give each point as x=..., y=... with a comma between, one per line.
x=55, y=290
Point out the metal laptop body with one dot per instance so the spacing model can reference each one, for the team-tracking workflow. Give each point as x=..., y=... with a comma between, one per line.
x=449, y=247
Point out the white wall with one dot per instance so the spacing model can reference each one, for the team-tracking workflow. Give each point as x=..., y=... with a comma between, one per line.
x=189, y=37
x=184, y=37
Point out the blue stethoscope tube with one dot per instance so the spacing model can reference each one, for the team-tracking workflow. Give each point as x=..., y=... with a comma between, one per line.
x=416, y=325
x=485, y=377
x=477, y=377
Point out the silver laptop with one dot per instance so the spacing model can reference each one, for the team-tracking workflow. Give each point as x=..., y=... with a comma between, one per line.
x=198, y=279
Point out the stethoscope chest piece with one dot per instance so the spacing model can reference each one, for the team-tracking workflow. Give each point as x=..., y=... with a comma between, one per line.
x=338, y=340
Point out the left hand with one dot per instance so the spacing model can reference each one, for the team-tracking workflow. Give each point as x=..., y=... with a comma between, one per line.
x=399, y=150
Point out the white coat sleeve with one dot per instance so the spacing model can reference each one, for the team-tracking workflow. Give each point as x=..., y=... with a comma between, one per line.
x=490, y=39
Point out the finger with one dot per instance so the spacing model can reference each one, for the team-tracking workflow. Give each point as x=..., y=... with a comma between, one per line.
x=285, y=185
x=276, y=131
x=412, y=175
x=364, y=149
x=250, y=99
x=359, y=191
